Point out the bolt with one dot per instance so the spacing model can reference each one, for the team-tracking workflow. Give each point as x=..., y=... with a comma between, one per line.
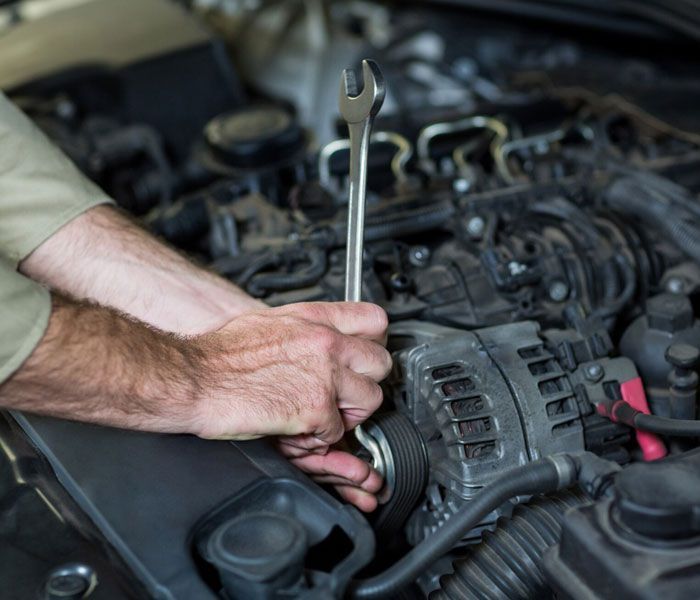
x=67, y=586
x=399, y=282
x=675, y=285
x=476, y=226
x=516, y=268
x=558, y=291
x=594, y=372
x=419, y=256
x=69, y=582
x=461, y=186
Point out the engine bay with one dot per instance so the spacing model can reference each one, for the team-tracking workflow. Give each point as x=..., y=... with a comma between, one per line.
x=532, y=231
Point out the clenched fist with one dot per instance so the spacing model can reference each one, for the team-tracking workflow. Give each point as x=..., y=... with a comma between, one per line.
x=307, y=371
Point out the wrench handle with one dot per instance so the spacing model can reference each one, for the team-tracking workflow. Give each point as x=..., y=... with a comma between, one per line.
x=359, y=148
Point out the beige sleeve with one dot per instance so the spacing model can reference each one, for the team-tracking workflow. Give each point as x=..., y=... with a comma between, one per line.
x=25, y=307
x=40, y=188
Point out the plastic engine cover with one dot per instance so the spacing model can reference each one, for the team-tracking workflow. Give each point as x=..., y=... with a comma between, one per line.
x=147, y=496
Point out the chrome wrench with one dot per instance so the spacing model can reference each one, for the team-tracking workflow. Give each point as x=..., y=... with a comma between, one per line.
x=358, y=110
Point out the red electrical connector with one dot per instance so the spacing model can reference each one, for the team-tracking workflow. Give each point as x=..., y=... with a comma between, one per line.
x=634, y=398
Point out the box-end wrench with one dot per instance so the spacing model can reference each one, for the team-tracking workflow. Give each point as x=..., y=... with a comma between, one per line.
x=358, y=110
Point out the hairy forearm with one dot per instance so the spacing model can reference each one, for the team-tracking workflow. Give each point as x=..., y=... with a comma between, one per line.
x=96, y=365
x=104, y=257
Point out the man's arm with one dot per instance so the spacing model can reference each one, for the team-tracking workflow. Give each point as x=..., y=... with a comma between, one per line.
x=296, y=370
x=103, y=256
x=95, y=365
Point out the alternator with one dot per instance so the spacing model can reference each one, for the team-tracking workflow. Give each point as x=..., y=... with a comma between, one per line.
x=489, y=400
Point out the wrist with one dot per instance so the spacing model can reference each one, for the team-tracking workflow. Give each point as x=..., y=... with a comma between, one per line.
x=221, y=406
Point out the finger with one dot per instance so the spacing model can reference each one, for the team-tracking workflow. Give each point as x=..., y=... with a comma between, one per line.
x=360, y=319
x=364, y=501
x=330, y=429
x=300, y=445
x=338, y=480
x=341, y=467
x=358, y=397
x=365, y=357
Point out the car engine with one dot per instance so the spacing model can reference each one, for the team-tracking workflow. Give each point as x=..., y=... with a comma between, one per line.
x=532, y=231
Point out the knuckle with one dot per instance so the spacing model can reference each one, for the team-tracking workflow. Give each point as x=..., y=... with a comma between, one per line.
x=325, y=339
x=358, y=472
x=380, y=360
x=311, y=311
x=322, y=398
x=378, y=315
x=388, y=362
x=336, y=431
x=376, y=397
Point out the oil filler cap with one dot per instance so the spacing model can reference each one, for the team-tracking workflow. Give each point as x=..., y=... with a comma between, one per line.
x=258, y=547
x=254, y=137
x=661, y=500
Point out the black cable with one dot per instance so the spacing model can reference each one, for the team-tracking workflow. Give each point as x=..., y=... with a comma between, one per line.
x=546, y=475
x=666, y=426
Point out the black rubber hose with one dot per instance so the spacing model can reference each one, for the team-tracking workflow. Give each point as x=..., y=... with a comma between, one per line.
x=629, y=196
x=609, y=280
x=184, y=222
x=538, y=477
x=262, y=283
x=629, y=277
x=268, y=260
x=560, y=208
x=507, y=563
x=666, y=426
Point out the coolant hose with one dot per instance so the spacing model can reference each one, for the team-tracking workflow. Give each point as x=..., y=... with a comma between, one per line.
x=546, y=475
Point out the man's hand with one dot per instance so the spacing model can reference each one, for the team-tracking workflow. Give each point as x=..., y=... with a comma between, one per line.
x=352, y=477
x=307, y=371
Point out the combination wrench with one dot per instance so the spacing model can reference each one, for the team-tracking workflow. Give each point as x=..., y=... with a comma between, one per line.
x=358, y=110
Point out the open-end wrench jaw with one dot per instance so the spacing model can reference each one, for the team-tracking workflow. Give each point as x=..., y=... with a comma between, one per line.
x=357, y=106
